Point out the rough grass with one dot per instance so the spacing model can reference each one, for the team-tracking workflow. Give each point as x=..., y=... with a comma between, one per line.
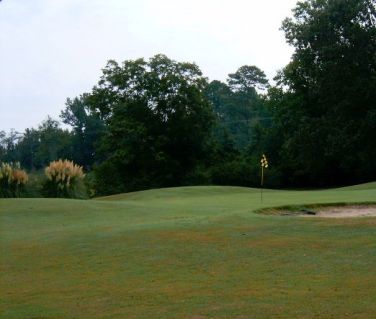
x=191, y=252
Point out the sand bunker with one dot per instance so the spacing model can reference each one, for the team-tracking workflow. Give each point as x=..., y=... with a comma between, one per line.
x=341, y=211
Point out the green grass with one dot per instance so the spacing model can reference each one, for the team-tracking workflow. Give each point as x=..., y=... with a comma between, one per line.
x=190, y=252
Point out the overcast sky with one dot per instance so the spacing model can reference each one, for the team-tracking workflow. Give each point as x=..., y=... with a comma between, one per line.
x=54, y=49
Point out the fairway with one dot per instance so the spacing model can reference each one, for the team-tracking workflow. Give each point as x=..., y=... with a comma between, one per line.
x=188, y=252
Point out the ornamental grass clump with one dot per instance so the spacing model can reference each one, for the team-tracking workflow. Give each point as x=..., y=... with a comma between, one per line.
x=63, y=177
x=12, y=180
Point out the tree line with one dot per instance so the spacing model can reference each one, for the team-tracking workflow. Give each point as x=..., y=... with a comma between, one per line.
x=159, y=122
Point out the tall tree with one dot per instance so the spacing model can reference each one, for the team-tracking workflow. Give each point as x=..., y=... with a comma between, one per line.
x=239, y=107
x=158, y=123
x=248, y=78
x=8, y=146
x=55, y=142
x=87, y=130
x=28, y=148
x=331, y=92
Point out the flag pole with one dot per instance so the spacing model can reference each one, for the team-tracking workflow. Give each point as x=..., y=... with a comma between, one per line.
x=264, y=164
x=262, y=180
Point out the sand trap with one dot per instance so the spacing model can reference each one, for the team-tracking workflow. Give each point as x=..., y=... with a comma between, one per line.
x=342, y=211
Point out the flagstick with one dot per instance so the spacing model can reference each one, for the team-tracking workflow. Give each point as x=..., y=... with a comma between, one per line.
x=262, y=180
x=264, y=163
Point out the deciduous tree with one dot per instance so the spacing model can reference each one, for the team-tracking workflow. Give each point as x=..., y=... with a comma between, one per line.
x=158, y=122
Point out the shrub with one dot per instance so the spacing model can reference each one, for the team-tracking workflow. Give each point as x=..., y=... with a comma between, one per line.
x=64, y=179
x=12, y=180
x=33, y=188
x=90, y=185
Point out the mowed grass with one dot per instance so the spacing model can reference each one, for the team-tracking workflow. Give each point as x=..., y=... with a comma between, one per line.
x=190, y=252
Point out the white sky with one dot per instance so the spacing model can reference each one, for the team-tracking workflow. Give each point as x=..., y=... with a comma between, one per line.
x=54, y=49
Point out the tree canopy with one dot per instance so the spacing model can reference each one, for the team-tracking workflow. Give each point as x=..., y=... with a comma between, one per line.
x=158, y=122
x=327, y=115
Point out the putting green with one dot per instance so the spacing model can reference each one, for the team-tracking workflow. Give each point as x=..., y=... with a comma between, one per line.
x=189, y=252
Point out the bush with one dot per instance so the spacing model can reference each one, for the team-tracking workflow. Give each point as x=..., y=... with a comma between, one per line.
x=237, y=172
x=64, y=179
x=12, y=180
x=33, y=188
x=90, y=185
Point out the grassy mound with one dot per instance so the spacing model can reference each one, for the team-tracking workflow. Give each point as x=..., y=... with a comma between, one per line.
x=189, y=252
x=371, y=186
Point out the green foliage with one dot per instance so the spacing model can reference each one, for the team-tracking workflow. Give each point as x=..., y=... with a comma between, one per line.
x=54, y=142
x=247, y=78
x=235, y=172
x=238, y=107
x=35, y=148
x=324, y=111
x=158, y=123
x=8, y=146
x=33, y=188
x=88, y=187
x=201, y=175
x=87, y=130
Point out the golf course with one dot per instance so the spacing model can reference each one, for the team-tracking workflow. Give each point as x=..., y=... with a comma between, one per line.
x=187, y=252
x=188, y=159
